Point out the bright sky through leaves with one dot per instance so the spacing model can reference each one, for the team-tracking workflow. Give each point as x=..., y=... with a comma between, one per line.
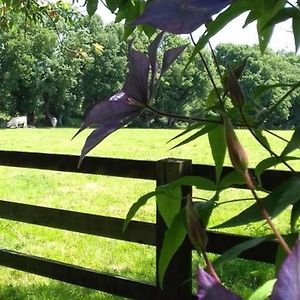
x=234, y=33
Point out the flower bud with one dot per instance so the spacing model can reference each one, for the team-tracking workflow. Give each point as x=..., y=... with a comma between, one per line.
x=237, y=153
x=231, y=84
x=196, y=230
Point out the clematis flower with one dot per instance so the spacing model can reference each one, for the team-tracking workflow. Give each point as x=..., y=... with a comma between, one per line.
x=210, y=289
x=137, y=91
x=180, y=16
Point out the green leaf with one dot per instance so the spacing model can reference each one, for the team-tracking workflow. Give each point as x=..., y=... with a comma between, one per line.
x=173, y=239
x=231, y=179
x=136, y=206
x=259, y=134
x=149, y=30
x=91, y=7
x=218, y=148
x=113, y=4
x=282, y=15
x=187, y=130
x=263, y=292
x=238, y=249
x=295, y=215
x=205, y=209
x=199, y=133
x=252, y=16
x=199, y=182
x=284, y=195
x=296, y=31
x=212, y=97
x=271, y=162
x=168, y=200
x=270, y=9
x=233, y=11
x=261, y=89
x=293, y=144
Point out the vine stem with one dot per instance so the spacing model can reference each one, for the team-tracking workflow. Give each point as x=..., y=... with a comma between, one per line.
x=273, y=108
x=208, y=73
x=210, y=268
x=183, y=118
x=265, y=214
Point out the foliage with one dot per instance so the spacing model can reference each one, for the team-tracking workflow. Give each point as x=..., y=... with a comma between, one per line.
x=228, y=103
x=228, y=106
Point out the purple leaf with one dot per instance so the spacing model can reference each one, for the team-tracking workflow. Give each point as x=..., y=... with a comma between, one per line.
x=109, y=116
x=170, y=56
x=136, y=84
x=288, y=282
x=152, y=53
x=180, y=16
x=210, y=289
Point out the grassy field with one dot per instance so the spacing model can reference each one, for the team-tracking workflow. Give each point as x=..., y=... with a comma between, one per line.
x=93, y=194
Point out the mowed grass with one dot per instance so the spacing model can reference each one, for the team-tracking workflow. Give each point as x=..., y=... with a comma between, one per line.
x=110, y=196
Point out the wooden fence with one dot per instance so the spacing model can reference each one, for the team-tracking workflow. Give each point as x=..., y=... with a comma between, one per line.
x=177, y=283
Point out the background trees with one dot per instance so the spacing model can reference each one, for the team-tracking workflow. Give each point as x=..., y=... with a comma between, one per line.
x=66, y=63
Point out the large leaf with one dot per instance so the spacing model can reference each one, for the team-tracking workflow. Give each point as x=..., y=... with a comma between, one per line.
x=168, y=200
x=293, y=144
x=238, y=249
x=210, y=289
x=218, y=148
x=173, y=239
x=136, y=206
x=263, y=292
x=280, y=198
x=180, y=16
x=288, y=281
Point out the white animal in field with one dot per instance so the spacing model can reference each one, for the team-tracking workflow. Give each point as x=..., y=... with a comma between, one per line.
x=53, y=122
x=16, y=122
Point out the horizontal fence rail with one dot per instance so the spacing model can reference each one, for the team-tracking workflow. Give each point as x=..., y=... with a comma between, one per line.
x=109, y=227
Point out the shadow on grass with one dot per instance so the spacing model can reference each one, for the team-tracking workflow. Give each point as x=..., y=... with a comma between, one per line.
x=51, y=291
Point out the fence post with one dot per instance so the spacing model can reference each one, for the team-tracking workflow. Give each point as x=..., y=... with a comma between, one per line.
x=177, y=280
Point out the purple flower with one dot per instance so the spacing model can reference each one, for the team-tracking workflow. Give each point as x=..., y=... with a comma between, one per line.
x=180, y=16
x=121, y=108
x=210, y=289
x=288, y=279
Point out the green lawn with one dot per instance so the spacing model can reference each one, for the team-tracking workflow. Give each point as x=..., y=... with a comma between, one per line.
x=93, y=194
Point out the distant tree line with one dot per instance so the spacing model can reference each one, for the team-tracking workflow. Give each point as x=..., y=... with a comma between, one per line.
x=67, y=63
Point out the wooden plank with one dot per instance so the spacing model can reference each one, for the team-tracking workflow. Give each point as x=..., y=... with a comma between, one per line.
x=177, y=282
x=129, y=168
x=138, y=232
x=270, y=178
x=80, y=276
x=218, y=243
